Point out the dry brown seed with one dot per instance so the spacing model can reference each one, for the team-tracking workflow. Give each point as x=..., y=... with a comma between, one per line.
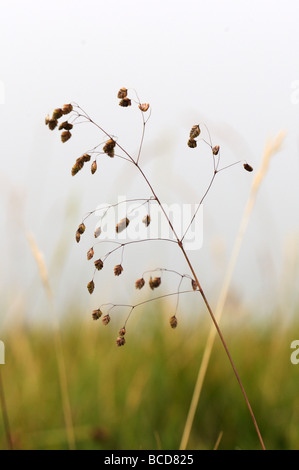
x=173, y=321
x=120, y=341
x=139, y=283
x=65, y=135
x=47, y=119
x=96, y=314
x=97, y=232
x=81, y=228
x=52, y=124
x=247, y=167
x=122, y=93
x=122, y=224
x=90, y=287
x=154, y=283
x=125, y=102
x=109, y=147
x=86, y=157
x=118, y=269
x=192, y=143
x=195, y=131
x=93, y=167
x=65, y=125
x=99, y=264
x=57, y=113
x=143, y=107
x=106, y=319
x=67, y=108
x=122, y=331
x=78, y=236
x=77, y=167
x=194, y=284
x=215, y=150
x=146, y=220
x=90, y=253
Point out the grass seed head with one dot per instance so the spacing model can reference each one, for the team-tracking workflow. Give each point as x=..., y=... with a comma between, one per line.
x=93, y=167
x=192, y=143
x=194, y=284
x=122, y=224
x=146, y=220
x=99, y=264
x=90, y=287
x=120, y=341
x=65, y=125
x=90, y=253
x=67, y=108
x=81, y=228
x=106, y=319
x=247, y=167
x=96, y=314
x=139, y=283
x=52, y=123
x=173, y=321
x=122, y=93
x=109, y=147
x=195, y=131
x=65, y=136
x=154, y=283
x=215, y=150
x=118, y=269
x=125, y=102
x=57, y=113
x=143, y=107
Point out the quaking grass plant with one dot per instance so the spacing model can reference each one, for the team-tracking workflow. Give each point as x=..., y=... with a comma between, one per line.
x=109, y=146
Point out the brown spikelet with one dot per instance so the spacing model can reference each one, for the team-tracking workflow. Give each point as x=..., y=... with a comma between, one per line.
x=192, y=143
x=47, y=119
x=97, y=232
x=215, y=150
x=122, y=224
x=106, y=319
x=194, y=284
x=90, y=287
x=96, y=314
x=65, y=125
x=78, y=236
x=247, y=167
x=122, y=93
x=118, y=269
x=144, y=107
x=67, y=108
x=173, y=321
x=122, y=331
x=57, y=113
x=93, y=167
x=90, y=253
x=109, y=147
x=139, y=283
x=195, y=131
x=99, y=264
x=65, y=135
x=52, y=123
x=85, y=157
x=120, y=341
x=154, y=283
x=125, y=102
x=146, y=220
x=81, y=228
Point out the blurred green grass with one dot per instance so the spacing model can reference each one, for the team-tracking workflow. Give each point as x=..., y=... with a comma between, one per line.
x=137, y=396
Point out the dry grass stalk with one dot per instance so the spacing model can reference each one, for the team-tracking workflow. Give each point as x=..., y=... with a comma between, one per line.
x=272, y=147
x=43, y=272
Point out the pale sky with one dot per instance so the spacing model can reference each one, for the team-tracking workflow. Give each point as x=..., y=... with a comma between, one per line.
x=233, y=65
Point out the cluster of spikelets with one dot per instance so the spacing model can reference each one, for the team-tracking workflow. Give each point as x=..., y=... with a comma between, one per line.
x=192, y=143
x=65, y=126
